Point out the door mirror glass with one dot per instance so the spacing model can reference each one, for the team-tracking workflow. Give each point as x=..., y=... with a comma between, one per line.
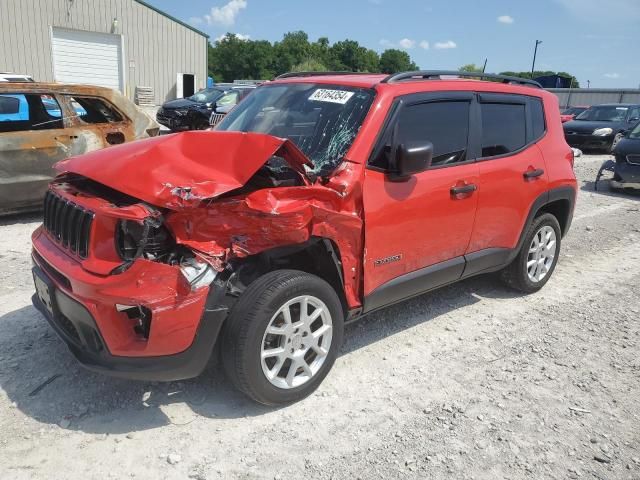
x=412, y=158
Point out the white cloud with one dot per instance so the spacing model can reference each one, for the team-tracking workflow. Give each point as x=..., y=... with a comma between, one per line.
x=226, y=15
x=239, y=35
x=445, y=45
x=407, y=43
x=505, y=19
x=424, y=45
x=612, y=75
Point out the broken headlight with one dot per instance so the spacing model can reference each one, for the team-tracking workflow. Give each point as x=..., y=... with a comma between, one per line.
x=150, y=240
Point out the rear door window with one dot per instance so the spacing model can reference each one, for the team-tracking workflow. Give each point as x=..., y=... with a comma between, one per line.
x=24, y=112
x=503, y=128
x=93, y=110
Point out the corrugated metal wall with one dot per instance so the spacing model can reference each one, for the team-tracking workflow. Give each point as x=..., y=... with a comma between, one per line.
x=595, y=96
x=156, y=48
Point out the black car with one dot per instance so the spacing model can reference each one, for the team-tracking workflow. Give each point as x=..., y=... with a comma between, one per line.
x=626, y=174
x=599, y=127
x=194, y=112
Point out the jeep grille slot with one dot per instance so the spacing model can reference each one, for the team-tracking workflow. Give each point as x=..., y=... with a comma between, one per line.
x=68, y=223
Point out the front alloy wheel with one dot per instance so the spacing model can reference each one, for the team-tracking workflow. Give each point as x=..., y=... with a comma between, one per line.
x=296, y=342
x=282, y=336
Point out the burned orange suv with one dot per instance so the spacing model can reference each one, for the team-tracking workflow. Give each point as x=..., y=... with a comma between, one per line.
x=318, y=199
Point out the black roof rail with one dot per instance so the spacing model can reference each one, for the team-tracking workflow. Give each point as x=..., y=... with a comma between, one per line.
x=316, y=74
x=437, y=74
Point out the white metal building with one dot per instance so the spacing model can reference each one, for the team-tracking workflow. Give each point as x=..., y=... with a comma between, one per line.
x=121, y=44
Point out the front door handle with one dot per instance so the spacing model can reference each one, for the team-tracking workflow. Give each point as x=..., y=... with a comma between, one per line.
x=533, y=173
x=462, y=189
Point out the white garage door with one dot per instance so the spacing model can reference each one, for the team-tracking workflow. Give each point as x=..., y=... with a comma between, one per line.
x=87, y=57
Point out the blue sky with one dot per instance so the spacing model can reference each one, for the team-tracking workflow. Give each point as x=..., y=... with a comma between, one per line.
x=593, y=39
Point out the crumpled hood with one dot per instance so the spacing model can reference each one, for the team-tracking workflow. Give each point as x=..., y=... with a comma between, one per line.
x=182, y=169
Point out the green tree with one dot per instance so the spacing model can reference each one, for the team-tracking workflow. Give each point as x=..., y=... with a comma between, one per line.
x=292, y=50
x=393, y=61
x=349, y=55
x=310, y=65
x=320, y=50
x=470, y=67
x=232, y=58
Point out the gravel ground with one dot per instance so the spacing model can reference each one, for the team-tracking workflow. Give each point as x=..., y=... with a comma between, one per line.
x=471, y=381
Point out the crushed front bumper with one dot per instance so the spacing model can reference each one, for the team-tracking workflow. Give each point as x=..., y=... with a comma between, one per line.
x=82, y=309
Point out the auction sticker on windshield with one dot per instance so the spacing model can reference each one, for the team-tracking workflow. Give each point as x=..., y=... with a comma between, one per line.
x=332, y=96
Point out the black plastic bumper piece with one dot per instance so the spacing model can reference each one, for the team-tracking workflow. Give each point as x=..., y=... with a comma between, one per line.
x=76, y=326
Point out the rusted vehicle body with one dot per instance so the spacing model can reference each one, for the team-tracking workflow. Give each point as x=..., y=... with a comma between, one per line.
x=42, y=123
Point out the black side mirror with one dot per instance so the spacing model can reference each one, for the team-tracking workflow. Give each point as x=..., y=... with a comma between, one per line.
x=633, y=120
x=410, y=159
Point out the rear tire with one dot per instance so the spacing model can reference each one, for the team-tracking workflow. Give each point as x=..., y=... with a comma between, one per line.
x=538, y=256
x=259, y=327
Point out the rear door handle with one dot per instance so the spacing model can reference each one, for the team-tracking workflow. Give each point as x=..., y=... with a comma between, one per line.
x=461, y=190
x=533, y=173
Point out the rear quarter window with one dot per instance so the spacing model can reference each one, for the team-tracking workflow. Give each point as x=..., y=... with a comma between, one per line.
x=538, y=124
x=93, y=110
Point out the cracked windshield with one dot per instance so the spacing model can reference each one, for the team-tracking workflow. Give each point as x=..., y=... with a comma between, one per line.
x=322, y=120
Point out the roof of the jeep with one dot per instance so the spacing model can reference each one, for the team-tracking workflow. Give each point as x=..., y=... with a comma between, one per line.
x=365, y=80
x=434, y=80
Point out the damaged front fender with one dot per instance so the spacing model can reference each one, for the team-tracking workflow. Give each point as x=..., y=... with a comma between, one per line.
x=246, y=225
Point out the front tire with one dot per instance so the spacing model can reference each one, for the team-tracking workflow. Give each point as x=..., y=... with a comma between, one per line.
x=538, y=256
x=282, y=337
x=615, y=141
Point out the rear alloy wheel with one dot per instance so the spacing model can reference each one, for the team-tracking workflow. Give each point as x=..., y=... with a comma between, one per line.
x=282, y=336
x=542, y=254
x=538, y=256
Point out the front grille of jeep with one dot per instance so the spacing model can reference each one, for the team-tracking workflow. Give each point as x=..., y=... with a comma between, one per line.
x=68, y=224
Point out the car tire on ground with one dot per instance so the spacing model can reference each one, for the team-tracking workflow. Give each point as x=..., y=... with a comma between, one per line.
x=615, y=141
x=538, y=256
x=274, y=352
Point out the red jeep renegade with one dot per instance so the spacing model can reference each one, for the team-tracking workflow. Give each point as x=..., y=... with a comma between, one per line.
x=318, y=199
